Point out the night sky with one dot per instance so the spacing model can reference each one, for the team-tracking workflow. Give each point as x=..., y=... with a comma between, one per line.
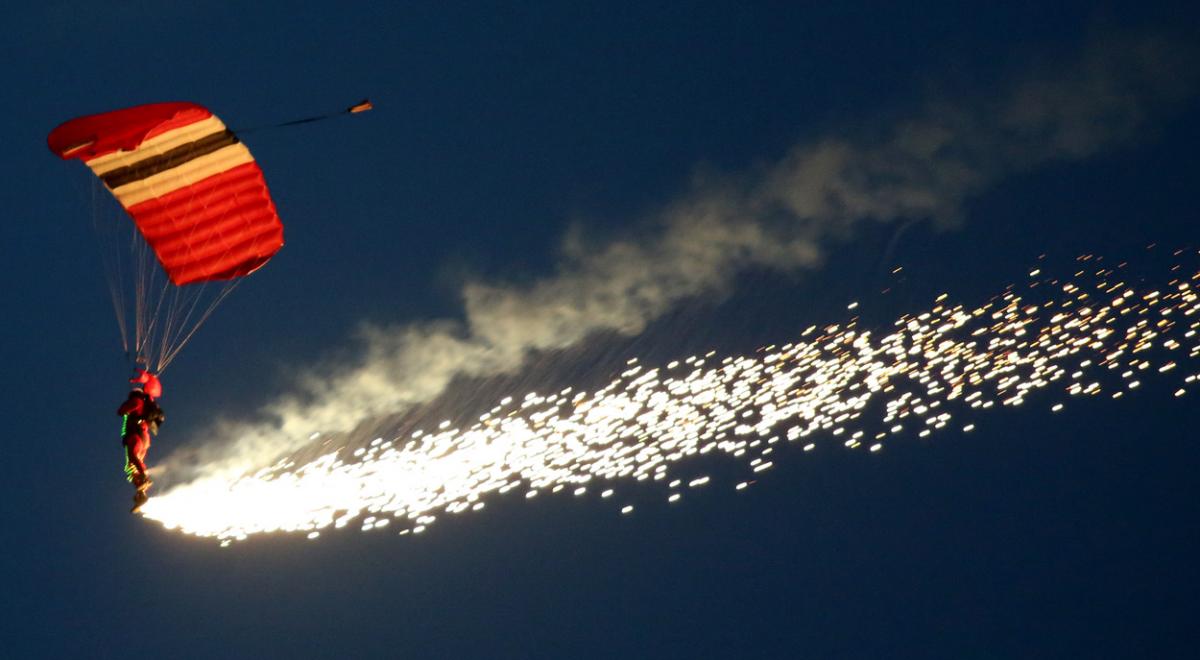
x=498, y=132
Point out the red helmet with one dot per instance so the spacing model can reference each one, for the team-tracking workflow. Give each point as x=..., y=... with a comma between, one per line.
x=149, y=382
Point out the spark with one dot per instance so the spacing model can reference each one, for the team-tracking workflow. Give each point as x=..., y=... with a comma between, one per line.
x=1082, y=335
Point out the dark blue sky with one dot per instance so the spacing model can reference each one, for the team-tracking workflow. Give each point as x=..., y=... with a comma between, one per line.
x=495, y=127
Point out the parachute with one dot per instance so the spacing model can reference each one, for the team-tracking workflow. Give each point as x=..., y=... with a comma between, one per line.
x=199, y=207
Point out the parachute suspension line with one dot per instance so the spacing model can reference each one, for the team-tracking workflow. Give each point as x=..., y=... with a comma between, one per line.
x=176, y=319
x=362, y=106
x=158, y=326
x=106, y=228
x=168, y=300
x=139, y=295
x=168, y=356
x=147, y=323
x=169, y=319
x=144, y=299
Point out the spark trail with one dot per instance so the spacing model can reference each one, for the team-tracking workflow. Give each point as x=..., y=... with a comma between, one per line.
x=1090, y=334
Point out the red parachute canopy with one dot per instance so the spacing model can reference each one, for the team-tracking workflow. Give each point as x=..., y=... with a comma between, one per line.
x=191, y=187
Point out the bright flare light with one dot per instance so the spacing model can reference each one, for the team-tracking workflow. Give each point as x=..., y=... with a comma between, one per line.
x=1078, y=336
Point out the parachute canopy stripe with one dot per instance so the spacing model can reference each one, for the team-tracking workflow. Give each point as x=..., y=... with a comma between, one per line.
x=182, y=175
x=192, y=188
x=160, y=144
x=171, y=159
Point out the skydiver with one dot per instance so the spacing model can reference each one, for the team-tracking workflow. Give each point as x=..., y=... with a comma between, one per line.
x=142, y=417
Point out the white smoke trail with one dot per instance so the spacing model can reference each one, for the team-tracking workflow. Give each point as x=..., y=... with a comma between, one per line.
x=778, y=217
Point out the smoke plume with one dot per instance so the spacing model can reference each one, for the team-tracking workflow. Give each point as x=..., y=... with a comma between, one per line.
x=920, y=167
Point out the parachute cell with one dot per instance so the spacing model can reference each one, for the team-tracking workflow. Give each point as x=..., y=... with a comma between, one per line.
x=192, y=188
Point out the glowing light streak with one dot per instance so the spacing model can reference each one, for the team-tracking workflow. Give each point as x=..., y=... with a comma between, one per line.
x=649, y=422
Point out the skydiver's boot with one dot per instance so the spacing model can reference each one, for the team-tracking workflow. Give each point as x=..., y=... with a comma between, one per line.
x=139, y=498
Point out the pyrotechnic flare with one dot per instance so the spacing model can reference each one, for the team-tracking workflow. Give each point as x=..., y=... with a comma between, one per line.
x=1089, y=334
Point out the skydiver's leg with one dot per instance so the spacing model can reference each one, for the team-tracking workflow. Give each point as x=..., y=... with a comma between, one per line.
x=140, y=449
x=143, y=446
x=136, y=455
